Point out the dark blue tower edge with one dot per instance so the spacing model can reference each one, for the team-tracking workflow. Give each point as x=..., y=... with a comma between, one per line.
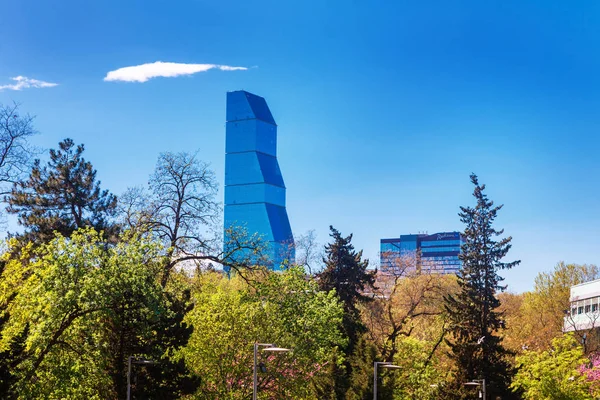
x=254, y=186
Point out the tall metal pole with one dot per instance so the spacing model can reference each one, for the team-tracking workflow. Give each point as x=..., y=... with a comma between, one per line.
x=375, y=364
x=254, y=375
x=484, y=392
x=129, y=377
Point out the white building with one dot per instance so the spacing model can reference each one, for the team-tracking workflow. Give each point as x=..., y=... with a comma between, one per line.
x=584, y=313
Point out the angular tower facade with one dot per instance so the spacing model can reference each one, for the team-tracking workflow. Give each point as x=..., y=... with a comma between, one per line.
x=254, y=188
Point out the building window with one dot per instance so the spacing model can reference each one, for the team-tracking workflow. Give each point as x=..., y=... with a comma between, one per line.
x=432, y=243
x=594, y=307
x=580, y=310
x=440, y=249
x=574, y=311
x=587, y=308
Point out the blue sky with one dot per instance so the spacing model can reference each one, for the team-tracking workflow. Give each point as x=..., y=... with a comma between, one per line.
x=384, y=108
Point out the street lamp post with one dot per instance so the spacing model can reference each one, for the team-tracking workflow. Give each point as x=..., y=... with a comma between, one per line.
x=133, y=360
x=478, y=382
x=267, y=347
x=376, y=365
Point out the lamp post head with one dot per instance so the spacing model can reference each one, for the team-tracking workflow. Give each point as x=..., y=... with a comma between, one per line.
x=276, y=349
x=135, y=360
x=384, y=364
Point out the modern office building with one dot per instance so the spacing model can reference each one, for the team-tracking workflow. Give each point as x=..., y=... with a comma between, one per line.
x=254, y=188
x=436, y=253
x=584, y=313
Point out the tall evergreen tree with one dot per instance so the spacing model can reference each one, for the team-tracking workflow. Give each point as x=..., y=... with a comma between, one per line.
x=474, y=343
x=62, y=196
x=346, y=272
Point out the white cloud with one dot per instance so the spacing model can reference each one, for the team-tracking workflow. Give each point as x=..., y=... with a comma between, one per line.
x=22, y=82
x=143, y=72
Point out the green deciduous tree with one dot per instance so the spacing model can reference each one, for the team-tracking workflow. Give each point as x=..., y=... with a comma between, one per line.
x=62, y=196
x=553, y=374
x=475, y=345
x=81, y=308
x=421, y=372
x=283, y=308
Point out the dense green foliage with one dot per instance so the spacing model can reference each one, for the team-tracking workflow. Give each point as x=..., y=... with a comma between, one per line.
x=475, y=345
x=81, y=309
x=553, y=374
x=80, y=295
x=69, y=302
x=284, y=309
x=419, y=376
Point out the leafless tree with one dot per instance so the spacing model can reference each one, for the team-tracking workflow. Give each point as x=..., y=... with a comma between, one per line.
x=134, y=208
x=16, y=153
x=406, y=303
x=180, y=210
x=584, y=327
x=309, y=252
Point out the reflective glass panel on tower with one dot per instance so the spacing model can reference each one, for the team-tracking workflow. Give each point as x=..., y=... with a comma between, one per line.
x=254, y=186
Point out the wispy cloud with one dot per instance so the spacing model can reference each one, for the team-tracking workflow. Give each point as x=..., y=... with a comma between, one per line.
x=143, y=72
x=22, y=82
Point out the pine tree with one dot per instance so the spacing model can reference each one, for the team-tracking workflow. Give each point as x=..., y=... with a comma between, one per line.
x=346, y=272
x=62, y=196
x=475, y=345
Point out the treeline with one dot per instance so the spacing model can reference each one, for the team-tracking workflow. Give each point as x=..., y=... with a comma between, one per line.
x=96, y=289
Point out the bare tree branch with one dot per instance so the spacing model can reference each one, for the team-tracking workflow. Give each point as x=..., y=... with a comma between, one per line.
x=180, y=210
x=16, y=153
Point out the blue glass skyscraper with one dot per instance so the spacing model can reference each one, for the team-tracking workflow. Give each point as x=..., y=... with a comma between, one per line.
x=254, y=188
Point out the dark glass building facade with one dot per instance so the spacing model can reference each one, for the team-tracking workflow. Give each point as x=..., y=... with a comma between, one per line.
x=254, y=187
x=437, y=253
